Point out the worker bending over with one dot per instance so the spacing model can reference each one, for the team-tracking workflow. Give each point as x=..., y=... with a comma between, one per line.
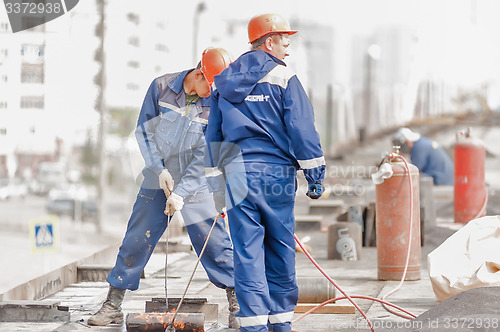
x=429, y=157
x=170, y=133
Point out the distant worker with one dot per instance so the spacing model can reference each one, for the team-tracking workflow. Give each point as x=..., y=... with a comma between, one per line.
x=260, y=132
x=430, y=158
x=170, y=133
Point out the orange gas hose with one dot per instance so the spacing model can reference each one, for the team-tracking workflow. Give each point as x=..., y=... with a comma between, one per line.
x=384, y=303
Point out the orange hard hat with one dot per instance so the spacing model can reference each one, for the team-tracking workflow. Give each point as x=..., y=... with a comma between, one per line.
x=213, y=62
x=261, y=25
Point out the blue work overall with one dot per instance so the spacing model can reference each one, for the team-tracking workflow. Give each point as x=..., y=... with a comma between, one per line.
x=170, y=135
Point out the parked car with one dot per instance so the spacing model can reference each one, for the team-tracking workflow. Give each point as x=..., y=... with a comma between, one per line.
x=18, y=188
x=67, y=206
x=15, y=187
x=4, y=188
x=49, y=175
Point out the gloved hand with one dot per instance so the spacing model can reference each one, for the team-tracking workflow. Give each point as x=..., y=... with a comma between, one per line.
x=174, y=203
x=166, y=181
x=220, y=202
x=315, y=190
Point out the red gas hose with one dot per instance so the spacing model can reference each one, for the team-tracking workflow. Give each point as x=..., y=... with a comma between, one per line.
x=384, y=303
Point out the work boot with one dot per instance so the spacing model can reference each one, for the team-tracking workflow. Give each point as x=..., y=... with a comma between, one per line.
x=111, y=310
x=233, y=308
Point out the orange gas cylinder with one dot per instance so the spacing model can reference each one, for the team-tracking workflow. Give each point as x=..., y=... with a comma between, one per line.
x=393, y=217
x=470, y=189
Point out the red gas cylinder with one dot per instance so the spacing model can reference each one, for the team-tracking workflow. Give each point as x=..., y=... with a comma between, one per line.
x=470, y=189
x=393, y=217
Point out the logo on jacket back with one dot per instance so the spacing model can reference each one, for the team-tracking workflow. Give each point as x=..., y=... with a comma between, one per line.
x=254, y=98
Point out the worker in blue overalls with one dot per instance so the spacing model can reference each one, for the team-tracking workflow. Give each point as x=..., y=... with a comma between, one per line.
x=429, y=157
x=260, y=132
x=170, y=133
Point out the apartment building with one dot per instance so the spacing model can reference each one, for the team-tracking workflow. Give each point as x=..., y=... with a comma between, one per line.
x=47, y=77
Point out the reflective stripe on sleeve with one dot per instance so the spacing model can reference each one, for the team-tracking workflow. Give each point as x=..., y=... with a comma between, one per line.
x=312, y=163
x=169, y=106
x=252, y=321
x=284, y=317
x=200, y=120
x=212, y=172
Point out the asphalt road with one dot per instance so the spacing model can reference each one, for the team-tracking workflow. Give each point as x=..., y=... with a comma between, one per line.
x=77, y=240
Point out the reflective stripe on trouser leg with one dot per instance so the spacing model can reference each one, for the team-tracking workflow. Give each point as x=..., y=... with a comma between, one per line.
x=253, y=323
x=249, y=266
x=248, y=229
x=217, y=259
x=249, y=269
x=280, y=251
x=145, y=227
x=281, y=322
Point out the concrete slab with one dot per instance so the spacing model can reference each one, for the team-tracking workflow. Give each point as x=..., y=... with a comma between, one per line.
x=326, y=207
x=33, y=311
x=308, y=222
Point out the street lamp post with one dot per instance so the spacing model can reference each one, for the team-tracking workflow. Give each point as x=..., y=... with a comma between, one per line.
x=101, y=105
x=372, y=54
x=196, y=22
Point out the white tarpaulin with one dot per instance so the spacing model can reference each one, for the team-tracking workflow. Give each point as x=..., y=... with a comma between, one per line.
x=470, y=258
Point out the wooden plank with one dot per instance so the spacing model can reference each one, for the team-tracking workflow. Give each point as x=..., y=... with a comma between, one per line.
x=326, y=309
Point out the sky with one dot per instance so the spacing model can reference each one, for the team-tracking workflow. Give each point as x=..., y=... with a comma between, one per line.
x=456, y=38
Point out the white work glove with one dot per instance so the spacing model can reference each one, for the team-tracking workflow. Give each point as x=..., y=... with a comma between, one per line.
x=174, y=203
x=166, y=181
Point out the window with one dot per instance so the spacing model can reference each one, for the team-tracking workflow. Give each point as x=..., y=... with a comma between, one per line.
x=134, y=18
x=132, y=86
x=37, y=23
x=32, y=73
x=3, y=131
x=32, y=102
x=4, y=26
x=133, y=64
x=3, y=55
x=3, y=104
x=161, y=47
x=134, y=41
x=32, y=53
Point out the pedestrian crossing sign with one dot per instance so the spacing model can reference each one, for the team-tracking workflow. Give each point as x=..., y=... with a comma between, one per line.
x=44, y=234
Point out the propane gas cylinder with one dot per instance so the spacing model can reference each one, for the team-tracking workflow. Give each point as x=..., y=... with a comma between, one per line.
x=393, y=218
x=470, y=189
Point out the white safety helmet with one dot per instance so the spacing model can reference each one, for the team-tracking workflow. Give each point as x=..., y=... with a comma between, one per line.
x=404, y=135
